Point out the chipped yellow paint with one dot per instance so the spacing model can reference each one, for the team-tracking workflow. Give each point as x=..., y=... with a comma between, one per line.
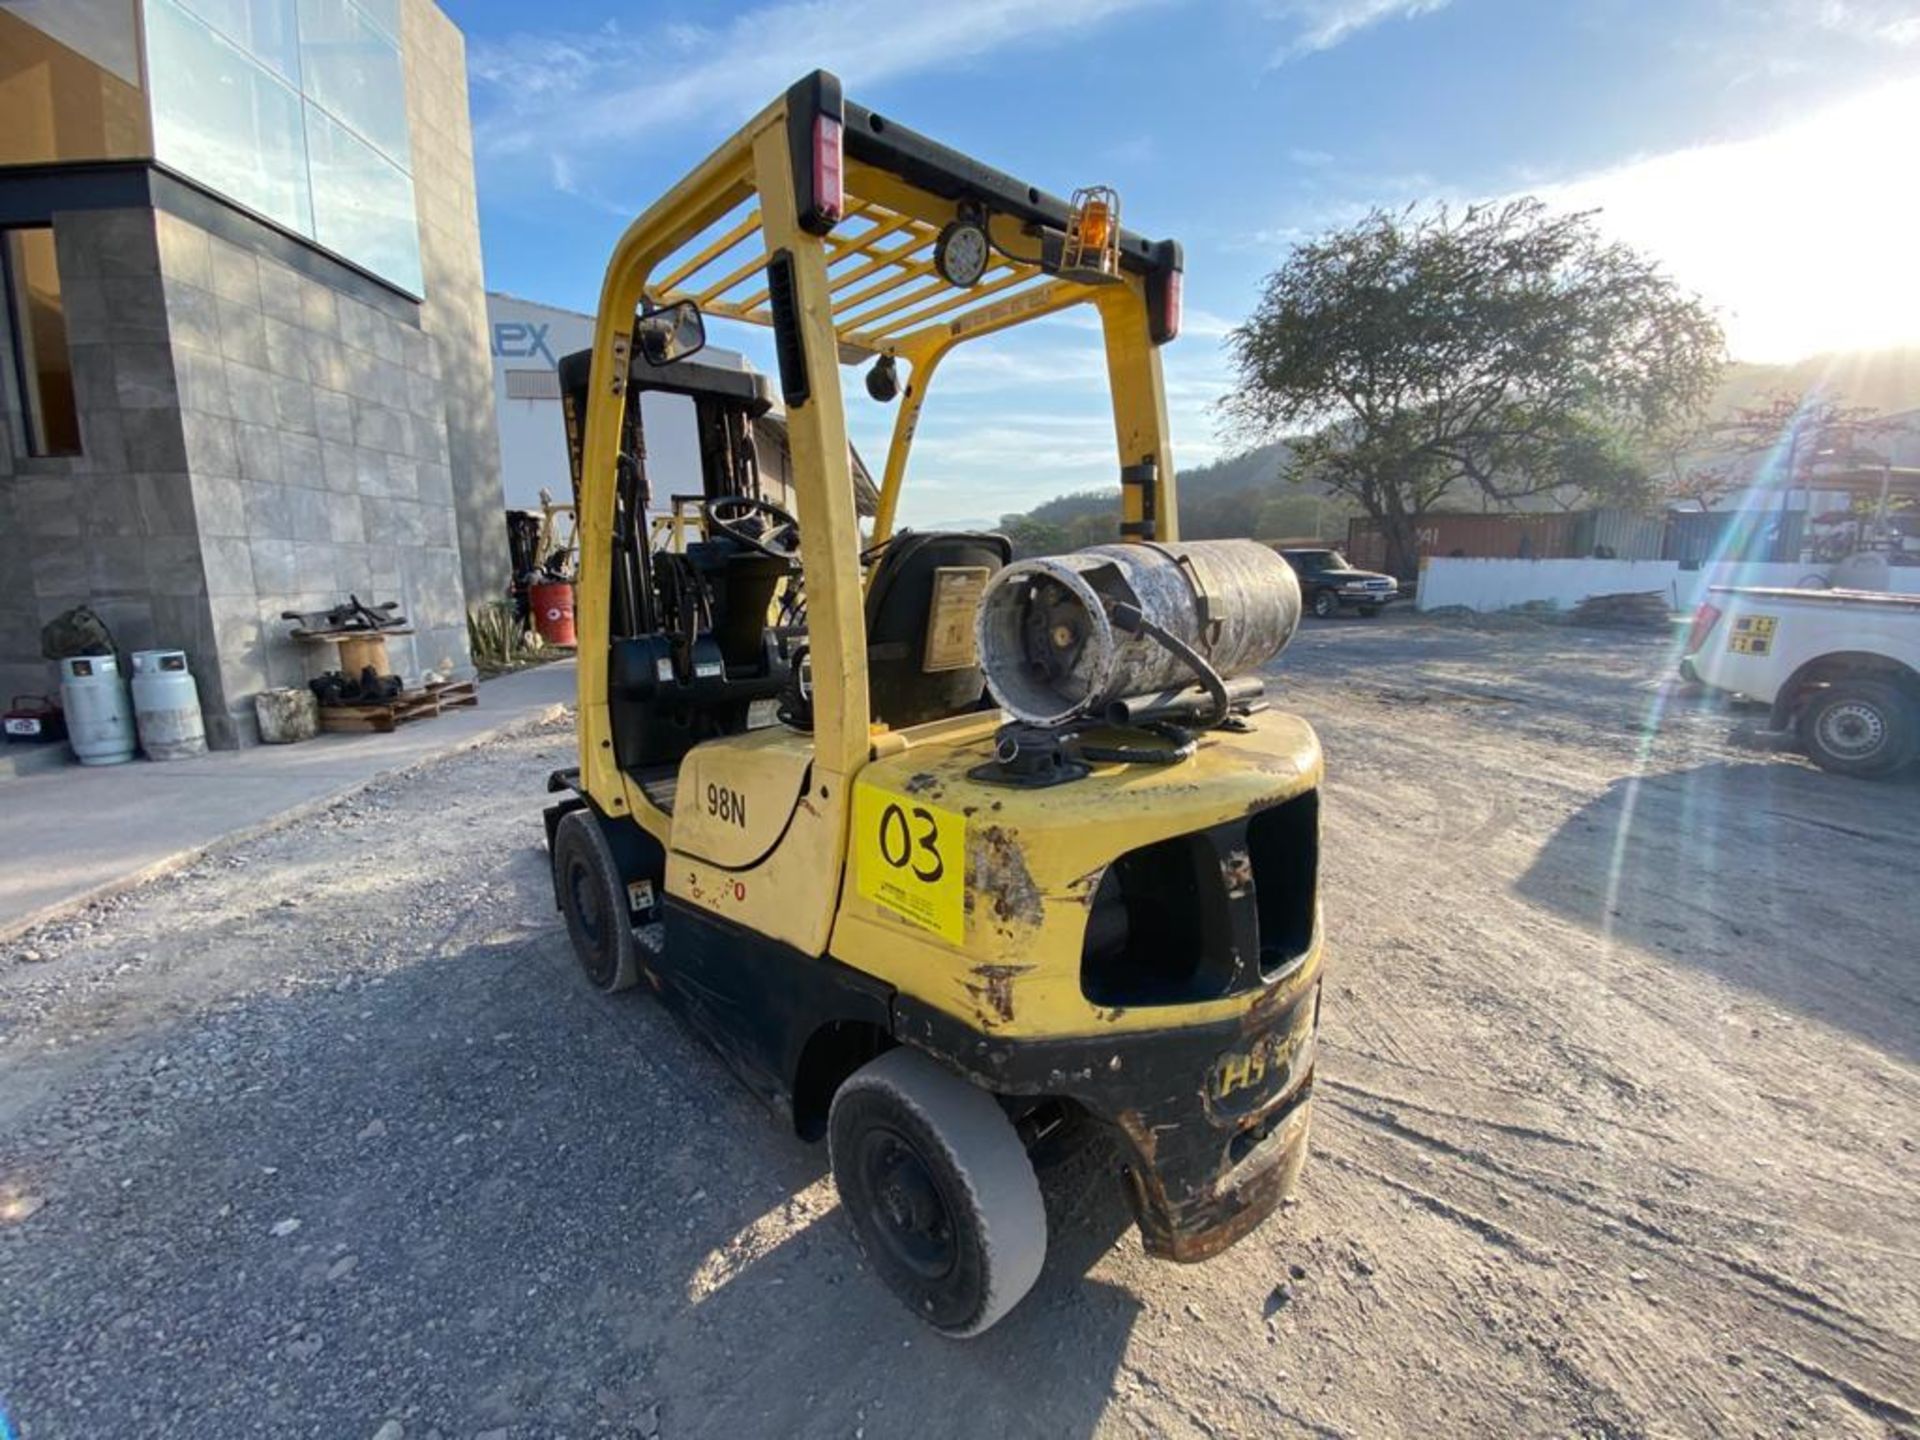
x=1034, y=859
x=1006, y=957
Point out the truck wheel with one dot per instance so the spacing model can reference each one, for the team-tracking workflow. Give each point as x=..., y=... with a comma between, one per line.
x=1859, y=727
x=594, y=899
x=1326, y=604
x=940, y=1191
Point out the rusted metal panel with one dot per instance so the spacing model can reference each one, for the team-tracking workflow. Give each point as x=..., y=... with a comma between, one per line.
x=1548, y=535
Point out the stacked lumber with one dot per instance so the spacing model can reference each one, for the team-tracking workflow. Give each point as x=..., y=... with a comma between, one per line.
x=1629, y=610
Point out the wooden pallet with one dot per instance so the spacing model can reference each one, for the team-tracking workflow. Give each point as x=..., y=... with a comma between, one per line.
x=384, y=719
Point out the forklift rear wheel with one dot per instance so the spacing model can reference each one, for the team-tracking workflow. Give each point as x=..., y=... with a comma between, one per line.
x=940, y=1191
x=594, y=899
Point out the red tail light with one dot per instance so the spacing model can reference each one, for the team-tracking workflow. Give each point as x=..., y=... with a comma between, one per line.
x=829, y=186
x=1704, y=619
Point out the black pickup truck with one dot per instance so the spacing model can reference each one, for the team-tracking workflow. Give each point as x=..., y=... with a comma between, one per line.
x=1329, y=584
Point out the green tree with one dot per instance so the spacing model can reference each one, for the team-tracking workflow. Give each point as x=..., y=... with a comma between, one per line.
x=1033, y=537
x=1500, y=353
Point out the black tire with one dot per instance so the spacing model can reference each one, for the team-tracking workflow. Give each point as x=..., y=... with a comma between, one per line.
x=940, y=1191
x=1326, y=604
x=1864, y=728
x=593, y=897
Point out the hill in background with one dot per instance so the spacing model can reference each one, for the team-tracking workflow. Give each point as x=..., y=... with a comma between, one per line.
x=1248, y=494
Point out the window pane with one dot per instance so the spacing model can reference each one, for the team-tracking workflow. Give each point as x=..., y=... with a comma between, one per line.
x=101, y=31
x=70, y=83
x=39, y=323
x=263, y=28
x=354, y=71
x=384, y=13
x=224, y=120
x=362, y=203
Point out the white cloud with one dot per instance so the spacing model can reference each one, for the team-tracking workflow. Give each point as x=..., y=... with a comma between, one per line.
x=1803, y=237
x=543, y=92
x=1198, y=324
x=1322, y=24
x=1893, y=22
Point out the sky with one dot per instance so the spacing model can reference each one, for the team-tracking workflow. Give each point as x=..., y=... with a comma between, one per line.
x=1763, y=150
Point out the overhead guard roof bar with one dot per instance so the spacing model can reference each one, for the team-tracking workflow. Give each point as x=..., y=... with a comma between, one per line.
x=899, y=183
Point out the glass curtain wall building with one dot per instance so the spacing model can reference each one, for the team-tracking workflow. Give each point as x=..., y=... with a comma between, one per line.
x=297, y=110
x=243, y=349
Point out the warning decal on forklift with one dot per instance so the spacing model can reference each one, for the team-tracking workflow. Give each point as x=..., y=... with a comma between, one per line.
x=911, y=858
x=1752, y=634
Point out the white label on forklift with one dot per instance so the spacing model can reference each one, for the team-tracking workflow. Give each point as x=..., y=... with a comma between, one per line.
x=911, y=858
x=663, y=668
x=639, y=895
x=708, y=669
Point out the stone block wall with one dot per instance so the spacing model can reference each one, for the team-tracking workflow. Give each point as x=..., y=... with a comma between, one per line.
x=113, y=527
x=257, y=439
x=315, y=437
x=454, y=313
x=254, y=441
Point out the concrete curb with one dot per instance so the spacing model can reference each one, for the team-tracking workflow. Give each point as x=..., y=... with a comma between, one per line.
x=181, y=859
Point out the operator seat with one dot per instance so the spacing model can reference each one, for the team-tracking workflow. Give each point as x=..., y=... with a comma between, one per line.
x=744, y=583
x=901, y=689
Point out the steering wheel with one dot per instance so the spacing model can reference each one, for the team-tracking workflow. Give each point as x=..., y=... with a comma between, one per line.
x=756, y=524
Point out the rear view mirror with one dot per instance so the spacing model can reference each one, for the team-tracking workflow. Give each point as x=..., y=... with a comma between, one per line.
x=671, y=333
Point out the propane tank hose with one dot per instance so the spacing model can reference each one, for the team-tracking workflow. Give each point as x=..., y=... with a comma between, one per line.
x=1129, y=618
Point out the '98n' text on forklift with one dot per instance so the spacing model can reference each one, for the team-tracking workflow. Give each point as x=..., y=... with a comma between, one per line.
x=945, y=854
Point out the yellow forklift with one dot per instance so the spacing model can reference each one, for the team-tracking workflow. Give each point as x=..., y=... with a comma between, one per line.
x=945, y=855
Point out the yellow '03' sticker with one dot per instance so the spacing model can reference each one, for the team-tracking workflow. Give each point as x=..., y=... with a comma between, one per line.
x=911, y=858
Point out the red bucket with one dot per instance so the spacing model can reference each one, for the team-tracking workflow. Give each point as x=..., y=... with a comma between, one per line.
x=553, y=612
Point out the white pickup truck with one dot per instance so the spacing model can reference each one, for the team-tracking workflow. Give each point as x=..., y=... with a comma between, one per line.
x=1841, y=668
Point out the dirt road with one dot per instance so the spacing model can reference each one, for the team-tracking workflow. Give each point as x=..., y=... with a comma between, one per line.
x=1616, y=1134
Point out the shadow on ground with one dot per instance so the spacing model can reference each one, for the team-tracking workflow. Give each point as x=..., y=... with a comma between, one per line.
x=518, y=1205
x=1746, y=869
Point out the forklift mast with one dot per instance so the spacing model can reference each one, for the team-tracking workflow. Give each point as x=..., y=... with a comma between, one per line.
x=726, y=402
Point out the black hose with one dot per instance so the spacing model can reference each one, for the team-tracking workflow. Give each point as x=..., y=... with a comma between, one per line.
x=1181, y=746
x=1131, y=619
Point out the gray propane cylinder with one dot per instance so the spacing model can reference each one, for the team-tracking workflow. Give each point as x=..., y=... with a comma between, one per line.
x=99, y=714
x=166, y=703
x=1051, y=650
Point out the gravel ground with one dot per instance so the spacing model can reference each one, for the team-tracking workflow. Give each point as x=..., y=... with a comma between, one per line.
x=1616, y=1133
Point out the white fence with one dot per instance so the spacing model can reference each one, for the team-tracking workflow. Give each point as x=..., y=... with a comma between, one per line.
x=1490, y=585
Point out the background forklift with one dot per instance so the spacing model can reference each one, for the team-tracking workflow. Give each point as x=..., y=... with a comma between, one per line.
x=1014, y=848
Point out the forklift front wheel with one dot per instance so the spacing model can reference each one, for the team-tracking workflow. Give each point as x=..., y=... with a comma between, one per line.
x=593, y=897
x=940, y=1190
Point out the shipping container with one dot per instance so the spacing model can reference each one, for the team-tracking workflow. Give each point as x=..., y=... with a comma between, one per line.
x=1615, y=534
x=1699, y=537
x=1547, y=535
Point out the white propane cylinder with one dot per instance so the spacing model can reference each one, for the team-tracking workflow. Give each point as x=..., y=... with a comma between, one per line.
x=99, y=714
x=166, y=702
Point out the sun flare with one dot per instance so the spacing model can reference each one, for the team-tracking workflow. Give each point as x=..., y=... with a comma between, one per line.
x=1804, y=237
